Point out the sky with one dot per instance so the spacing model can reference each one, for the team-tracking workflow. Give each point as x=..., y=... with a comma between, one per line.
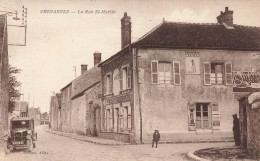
x=56, y=43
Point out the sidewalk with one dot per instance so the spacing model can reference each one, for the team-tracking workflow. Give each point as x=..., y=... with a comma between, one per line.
x=94, y=140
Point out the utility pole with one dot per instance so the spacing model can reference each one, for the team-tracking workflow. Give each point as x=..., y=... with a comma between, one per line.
x=75, y=71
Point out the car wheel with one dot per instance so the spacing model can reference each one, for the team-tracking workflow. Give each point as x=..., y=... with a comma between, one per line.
x=29, y=145
x=6, y=148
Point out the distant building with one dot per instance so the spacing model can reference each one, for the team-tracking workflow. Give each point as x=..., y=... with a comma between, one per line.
x=45, y=118
x=35, y=113
x=21, y=109
x=55, y=112
x=178, y=79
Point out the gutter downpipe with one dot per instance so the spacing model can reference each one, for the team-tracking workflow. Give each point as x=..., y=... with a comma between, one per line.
x=135, y=54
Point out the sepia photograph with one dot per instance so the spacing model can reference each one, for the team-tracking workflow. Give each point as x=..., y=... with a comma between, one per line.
x=129, y=80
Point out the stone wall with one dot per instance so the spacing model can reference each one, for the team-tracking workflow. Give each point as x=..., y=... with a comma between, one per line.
x=78, y=115
x=253, y=125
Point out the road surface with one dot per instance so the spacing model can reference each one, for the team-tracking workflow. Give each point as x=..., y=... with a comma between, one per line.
x=52, y=147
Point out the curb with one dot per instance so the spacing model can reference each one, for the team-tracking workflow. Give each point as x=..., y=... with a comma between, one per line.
x=192, y=156
x=85, y=140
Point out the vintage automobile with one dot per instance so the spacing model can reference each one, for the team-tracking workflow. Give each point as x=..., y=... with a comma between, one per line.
x=20, y=135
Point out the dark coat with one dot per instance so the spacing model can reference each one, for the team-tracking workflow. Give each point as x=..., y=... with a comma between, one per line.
x=156, y=136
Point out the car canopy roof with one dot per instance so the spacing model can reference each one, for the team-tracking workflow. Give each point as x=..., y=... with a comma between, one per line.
x=21, y=119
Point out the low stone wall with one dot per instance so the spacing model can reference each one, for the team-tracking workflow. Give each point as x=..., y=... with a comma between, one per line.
x=115, y=136
x=253, y=129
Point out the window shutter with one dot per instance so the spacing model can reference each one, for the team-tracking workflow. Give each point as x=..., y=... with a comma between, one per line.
x=228, y=72
x=121, y=118
x=176, y=73
x=129, y=118
x=207, y=72
x=154, y=72
x=129, y=73
x=105, y=119
x=105, y=84
x=121, y=78
x=111, y=84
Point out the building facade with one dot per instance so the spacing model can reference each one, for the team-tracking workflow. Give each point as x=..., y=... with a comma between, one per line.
x=21, y=109
x=66, y=108
x=55, y=112
x=35, y=114
x=81, y=104
x=178, y=79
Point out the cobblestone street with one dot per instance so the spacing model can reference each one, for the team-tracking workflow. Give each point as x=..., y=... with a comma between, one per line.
x=52, y=147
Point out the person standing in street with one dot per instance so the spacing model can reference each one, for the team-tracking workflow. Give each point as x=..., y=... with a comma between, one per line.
x=236, y=130
x=156, y=138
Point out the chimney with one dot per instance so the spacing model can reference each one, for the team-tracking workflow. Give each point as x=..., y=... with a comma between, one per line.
x=97, y=58
x=125, y=31
x=226, y=18
x=84, y=68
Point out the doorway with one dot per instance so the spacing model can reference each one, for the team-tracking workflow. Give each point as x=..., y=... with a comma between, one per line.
x=203, y=116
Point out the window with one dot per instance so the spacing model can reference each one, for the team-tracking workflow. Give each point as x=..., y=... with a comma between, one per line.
x=203, y=117
x=125, y=78
x=108, y=84
x=109, y=119
x=164, y=72
x=161, y=72
x=217, y=73
x=125, y=118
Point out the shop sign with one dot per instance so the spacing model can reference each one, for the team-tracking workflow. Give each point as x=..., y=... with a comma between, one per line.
x=246, y=81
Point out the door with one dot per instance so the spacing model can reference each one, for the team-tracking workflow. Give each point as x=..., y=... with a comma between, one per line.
x=116, y=116
x=203, y=116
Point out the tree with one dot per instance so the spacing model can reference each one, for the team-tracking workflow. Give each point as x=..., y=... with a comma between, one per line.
x=14, y=93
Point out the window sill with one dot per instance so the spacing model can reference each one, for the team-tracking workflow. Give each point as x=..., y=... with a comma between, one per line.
x=111, y=94
x=124, y=91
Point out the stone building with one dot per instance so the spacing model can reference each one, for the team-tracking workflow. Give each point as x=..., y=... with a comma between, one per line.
x=81, y=105
x=21, y=109
x=4, y=76
x=249, y=117
x=66, y=108
x=178, y=79
x=35, y=114
x=55, y=112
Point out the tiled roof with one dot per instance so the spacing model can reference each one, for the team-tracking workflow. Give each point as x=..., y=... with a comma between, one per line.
x=201, y=36
x=85, y=81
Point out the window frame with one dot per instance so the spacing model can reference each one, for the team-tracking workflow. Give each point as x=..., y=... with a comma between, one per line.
x=109, y=84
x=127, y=77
